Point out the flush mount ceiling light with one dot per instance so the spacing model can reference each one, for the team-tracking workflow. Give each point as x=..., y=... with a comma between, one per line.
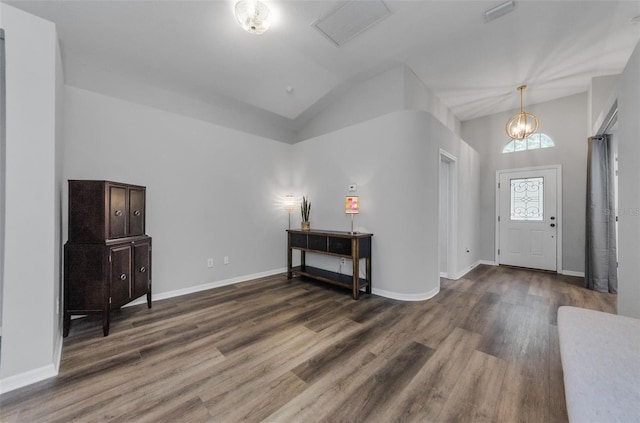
x=253, y=16
x=522, y=124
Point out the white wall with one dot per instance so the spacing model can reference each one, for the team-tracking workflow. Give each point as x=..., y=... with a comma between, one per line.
x=565, y=120
x=394, y=161
x=31, y=272
x=201, y=105
x=602, y=93
x=348, y=105
x=2, y=164
x=629, y=190
x=419, y=97
x=211, y=191
x=395, y=89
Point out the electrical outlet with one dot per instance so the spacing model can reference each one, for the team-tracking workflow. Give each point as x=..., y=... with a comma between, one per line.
x=343, y=261
x=210, y=262
x=226, y=259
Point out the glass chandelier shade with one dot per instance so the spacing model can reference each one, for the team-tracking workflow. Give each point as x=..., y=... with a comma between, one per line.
x=253, y=16
x=522, y=124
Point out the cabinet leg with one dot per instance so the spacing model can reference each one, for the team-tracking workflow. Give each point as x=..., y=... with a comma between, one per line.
x=66, y=324
x=105, y=323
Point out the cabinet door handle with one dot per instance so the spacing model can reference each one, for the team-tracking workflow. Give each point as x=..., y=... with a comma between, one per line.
x=118, y=213
x=123, y=277
x=136, y=213
x=142, y=269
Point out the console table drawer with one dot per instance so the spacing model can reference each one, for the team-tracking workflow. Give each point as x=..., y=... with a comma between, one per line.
x=340, y=246
x=299, y=240
x=318, y=242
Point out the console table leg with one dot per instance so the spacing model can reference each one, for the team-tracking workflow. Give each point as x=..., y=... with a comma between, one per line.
x=289, y=258
x=355, y=281
x=368, y=264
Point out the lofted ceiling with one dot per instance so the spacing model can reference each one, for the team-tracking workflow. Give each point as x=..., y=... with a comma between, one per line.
x=196, y=48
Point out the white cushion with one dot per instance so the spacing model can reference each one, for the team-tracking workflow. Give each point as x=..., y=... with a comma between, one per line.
x=601, y=362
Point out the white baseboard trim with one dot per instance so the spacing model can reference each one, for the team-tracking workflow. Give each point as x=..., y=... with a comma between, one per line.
x=204, y=287
x=467, y=270
x=406, y=297
x=488, y=262
x=33, y=376
x=572, y=273
x=27, y=378
x=444, y=275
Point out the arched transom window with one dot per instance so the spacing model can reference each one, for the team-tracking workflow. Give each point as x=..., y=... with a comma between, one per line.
x=532, y=142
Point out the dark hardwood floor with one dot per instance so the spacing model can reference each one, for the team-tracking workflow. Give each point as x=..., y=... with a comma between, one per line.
x=484, y=349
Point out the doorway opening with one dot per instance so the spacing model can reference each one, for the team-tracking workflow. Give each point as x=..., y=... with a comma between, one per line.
x=447, y=215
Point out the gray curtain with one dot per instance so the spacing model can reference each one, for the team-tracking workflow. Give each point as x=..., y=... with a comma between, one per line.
x=601, y=267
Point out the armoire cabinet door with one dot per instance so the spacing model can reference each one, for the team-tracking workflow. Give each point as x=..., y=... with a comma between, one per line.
x=117, y=211
x=121, y=284
x=142, y=268
x=136, y=211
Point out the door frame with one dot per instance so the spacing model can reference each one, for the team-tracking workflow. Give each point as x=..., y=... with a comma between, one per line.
x=558, y=169
x=452, y=233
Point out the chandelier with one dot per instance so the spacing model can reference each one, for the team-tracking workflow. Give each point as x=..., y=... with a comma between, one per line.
x=253, y=16
x=522, y=124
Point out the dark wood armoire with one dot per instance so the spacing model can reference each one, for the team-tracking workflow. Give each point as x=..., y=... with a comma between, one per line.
x=107, y=258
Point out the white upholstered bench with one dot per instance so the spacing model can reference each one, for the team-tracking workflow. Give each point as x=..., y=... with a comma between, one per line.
x=601, y=363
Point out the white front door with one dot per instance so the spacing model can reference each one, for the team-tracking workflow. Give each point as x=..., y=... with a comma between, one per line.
x=528, y=218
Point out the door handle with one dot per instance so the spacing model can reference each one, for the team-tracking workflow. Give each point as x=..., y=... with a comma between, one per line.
x=553, y=225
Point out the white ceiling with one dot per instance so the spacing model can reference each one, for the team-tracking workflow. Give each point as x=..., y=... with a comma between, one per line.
x=197, y=48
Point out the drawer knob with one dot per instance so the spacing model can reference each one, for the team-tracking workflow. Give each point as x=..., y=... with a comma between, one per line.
x=118, y=213
x=143, y=269
x=123, y=277
x=136, y=213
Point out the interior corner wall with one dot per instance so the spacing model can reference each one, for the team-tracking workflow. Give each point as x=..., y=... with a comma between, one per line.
x=211, y=191
x=57, y=187
x=602, y=93
x=378, y=95
x=565, y=120
x=629, y=192
x=419, y=97
x=394, y=161
x=30, y=272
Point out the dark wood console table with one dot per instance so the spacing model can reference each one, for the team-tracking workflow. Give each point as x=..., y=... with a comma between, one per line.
x=354, y=246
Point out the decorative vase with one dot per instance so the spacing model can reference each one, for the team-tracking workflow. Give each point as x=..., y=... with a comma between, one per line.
x=305, y=225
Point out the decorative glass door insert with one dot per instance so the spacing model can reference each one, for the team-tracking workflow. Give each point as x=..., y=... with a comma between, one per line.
x=527, y=196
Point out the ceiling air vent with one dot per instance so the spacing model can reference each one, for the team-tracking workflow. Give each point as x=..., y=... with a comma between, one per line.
x=351, y=19
x=500, y=10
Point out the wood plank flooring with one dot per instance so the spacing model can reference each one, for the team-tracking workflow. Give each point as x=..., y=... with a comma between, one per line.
x=484, y=349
